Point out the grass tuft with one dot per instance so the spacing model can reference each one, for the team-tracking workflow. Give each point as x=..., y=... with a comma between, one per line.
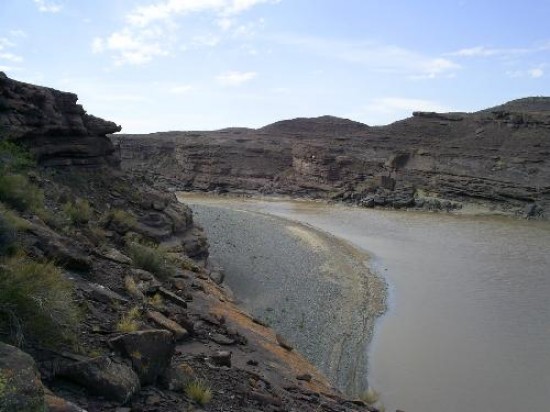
x=129, y=322
x=79, y=211
x=36, y=301
x=19, y=193
x=370, y=396
x=199, y=391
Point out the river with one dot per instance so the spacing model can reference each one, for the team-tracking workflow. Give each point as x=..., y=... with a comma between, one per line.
x=468, y=320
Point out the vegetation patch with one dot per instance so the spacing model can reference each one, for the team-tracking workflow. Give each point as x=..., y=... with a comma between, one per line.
x=120, y=220
x=129, y=322
x=152, y=259
x=19, y=193
x=199, y=391
x=79, y=211
x=36, y=301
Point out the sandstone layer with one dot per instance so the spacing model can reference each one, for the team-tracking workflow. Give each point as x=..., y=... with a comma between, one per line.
x=496, y=158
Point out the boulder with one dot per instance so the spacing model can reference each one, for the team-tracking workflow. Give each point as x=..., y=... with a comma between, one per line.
x=20, y=385
x=179, y=332
x=102, y=376
x=56, y=404
x=150, y=352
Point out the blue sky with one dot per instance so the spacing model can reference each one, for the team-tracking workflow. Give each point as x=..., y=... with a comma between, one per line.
x=156, y=65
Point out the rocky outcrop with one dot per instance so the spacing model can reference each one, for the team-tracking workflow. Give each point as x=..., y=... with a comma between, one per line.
x=51, y=123
x=20, y=385
x=496, y=158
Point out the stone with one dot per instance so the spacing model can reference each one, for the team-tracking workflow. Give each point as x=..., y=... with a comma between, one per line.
x=179, y=332
x=150, y=352
x=283, y=342
x=217, y=276
x=172, y=297
x=221, y=339
x=304, y=377
x=56, y=404
x=175, y=378
x=221, y=358
x=115, y=255
x=102, y=376
x=20, y=385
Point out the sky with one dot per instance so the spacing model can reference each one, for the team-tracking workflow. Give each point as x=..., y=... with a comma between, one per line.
x=160, y=65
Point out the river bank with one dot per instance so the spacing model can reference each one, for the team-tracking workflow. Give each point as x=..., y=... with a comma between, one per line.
x=465, y=328
x=301, y=281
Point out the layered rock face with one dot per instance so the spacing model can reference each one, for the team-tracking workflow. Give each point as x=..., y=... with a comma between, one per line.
x=497, y=157
x=56, y=129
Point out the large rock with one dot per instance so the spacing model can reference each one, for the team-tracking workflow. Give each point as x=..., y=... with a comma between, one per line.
x=102, y=376
x=150, y=352
x=55, y=128
x=20, y=385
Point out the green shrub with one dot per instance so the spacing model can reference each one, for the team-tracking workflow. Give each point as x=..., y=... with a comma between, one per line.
x=36, y=301
x=19, y=193
x=14, y=157
x=79, y=211
x=151, y=259
x=199, y=391
x=120, y=220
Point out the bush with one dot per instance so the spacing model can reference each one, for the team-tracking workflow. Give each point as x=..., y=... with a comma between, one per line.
x=36, y=301
x=14, y=158
x=199, y=391
x=19, y=193
x=151, y=259
x=79, y=211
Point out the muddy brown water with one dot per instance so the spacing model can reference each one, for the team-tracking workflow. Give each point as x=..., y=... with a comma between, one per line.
x=468, y=324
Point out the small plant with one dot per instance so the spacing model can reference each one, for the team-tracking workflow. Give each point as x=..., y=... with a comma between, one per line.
x=36, y=301
x=199, y=391
x=156, y=301
x=18, y=192
x=129, y=322
x=151, y=259
x=79, y=211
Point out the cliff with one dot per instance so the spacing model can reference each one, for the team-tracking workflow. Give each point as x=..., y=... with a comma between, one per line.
x=496, y=158
x=57, y=130
x=107, y=301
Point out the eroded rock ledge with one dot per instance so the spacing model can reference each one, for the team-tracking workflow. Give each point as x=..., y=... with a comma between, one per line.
x=55, y=128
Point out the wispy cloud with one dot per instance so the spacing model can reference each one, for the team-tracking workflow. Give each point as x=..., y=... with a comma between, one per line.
x=46, y=6
x=503, y=52
x=5, y=54
x=235, y=78
x=374, y=56
x=152, y=30
x=534, y=73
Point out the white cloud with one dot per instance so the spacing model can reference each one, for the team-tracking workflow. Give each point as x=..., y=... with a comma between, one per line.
x=384, y=110
x=181, y=89
x=164, y=10
x=235, y=78
x=536, y=73
x=11, y=57
x=376, y=57
x=151, y=30
x=48, y=6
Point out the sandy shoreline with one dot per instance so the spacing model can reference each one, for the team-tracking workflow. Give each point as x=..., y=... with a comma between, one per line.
x=320, y=293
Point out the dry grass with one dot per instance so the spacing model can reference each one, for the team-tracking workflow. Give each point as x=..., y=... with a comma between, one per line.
x=370, y=396
x=36, y=301
x=19, y=193
x=151, y=259
x=79, y=211
x=129, y=322
x=199, y=391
